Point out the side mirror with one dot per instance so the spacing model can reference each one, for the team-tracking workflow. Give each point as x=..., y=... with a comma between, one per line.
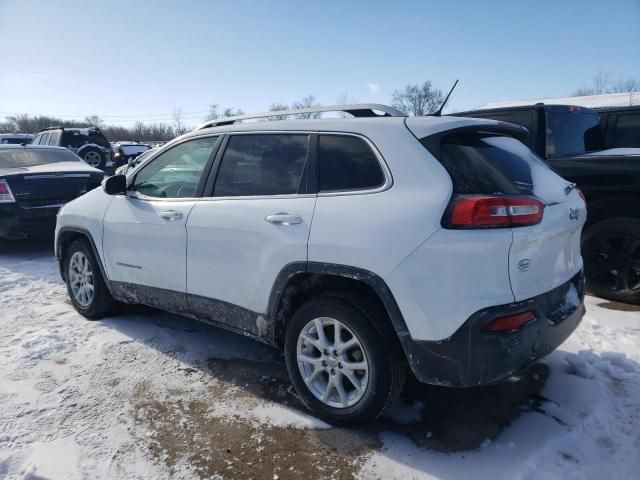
x=131, y=161
x=116, y=185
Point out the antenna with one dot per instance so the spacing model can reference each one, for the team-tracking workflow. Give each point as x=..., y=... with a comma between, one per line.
x=438, y=112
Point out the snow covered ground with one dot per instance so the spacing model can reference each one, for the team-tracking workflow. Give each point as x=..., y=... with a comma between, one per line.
x=150, y=395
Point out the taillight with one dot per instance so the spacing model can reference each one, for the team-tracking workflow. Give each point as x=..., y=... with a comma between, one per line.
x=5, y=193
x=510, y=322
x=481, y=211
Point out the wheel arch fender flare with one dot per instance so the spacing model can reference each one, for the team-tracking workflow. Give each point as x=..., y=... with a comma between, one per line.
x=288, y=273
x=78, y=232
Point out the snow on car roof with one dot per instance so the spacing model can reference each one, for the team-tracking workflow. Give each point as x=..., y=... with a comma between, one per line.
x=590, y=101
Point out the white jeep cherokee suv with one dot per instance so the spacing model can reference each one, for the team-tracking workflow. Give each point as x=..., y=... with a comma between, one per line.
x=360, y=246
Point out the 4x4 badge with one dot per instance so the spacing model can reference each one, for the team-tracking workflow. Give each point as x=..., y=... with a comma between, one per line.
x=573, y=213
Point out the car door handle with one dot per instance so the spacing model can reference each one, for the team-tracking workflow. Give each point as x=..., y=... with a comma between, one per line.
x=283, y=219
x=171, y=215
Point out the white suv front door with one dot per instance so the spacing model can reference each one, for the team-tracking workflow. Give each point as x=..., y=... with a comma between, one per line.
x=255, y=222
x=144, y=238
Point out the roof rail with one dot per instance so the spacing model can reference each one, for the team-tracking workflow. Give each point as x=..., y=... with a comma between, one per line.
x=52, y=128
x=357, y=110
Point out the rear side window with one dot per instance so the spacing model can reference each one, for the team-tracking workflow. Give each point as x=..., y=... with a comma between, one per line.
x=627, y=133
x=262, y=164
x=55, y=139
x=73, y=139
x=486, y=163
x=346, y=162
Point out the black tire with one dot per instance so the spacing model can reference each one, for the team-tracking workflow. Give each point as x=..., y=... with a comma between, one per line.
x=92, y=151
x=102, y=301
x=381, y=348
x=611, y=252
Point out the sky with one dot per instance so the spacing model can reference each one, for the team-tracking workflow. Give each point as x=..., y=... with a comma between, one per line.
x=140, y=60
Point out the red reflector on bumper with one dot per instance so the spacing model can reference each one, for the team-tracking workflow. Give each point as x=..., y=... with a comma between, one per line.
x=510, y=322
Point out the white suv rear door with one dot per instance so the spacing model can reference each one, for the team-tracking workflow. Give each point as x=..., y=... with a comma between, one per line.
x=144, y=237
x=253, y=221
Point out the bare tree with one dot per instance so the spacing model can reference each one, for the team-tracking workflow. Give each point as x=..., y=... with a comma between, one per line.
x=213, y=112
x=178, y=127
x=230, y=112
x=625, y=85
x=94, y=120
x=227, y=112
x=345, y=99
x=417, y=100
x=306, y=102
x=275, y=107
x=602, y=83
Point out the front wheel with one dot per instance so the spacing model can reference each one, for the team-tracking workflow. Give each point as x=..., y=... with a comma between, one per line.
x=342, y=360
x=85, y=285
x=611, y=251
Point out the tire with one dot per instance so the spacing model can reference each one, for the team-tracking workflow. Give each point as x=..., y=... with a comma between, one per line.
x=94, y=157
x=611, y=252
x=377, y=345
x=100, y=302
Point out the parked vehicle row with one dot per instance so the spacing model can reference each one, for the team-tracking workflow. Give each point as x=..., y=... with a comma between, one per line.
x=605, y=164
x=35, y=181
x=89, y=144
x=361, y=247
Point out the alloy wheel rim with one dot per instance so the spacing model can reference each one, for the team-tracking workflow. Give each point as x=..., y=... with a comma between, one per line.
x=615, y=263
x=81, y=279
x=92, y=158
x=332, y=362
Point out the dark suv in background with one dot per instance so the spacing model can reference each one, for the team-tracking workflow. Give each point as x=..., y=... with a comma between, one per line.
x=89, y=144
x=124, y=151
x=572, y=141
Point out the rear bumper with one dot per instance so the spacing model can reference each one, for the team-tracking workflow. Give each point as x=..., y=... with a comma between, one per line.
x=474, y=356
x=17, y=222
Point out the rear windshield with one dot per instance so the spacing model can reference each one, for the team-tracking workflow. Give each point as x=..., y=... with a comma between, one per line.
x=14, y=140
x=133, y=149
x=486, y=163
x=16, y=158
x=572, y=133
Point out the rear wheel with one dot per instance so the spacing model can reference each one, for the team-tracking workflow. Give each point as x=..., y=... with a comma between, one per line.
x=93, y=157
x=611, y=251
x=342, y=360
x=85, y=285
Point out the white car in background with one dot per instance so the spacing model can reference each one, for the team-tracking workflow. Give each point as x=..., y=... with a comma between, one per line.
x=359, y=246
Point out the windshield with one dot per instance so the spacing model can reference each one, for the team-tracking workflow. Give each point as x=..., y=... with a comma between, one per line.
x=572, y=133
x=16, y=158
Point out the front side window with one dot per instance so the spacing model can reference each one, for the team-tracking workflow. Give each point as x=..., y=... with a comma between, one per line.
x=627, y=133
x=346, y=162
x=262, y=164
x=36, y=139
x=45, y=139
x=176, y=172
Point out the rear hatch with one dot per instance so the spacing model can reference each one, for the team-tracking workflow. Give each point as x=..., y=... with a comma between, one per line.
x=498, y=182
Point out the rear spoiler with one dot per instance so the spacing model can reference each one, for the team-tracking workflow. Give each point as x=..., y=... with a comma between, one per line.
x=502, y=128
